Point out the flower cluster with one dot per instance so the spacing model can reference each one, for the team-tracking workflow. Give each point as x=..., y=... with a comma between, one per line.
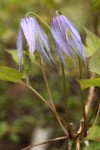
x=65, y=35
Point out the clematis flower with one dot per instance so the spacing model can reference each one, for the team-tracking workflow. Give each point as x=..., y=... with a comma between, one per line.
x=66, y=38
x=35, y=37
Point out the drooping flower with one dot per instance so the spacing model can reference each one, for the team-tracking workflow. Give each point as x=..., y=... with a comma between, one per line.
x=35, y=37
x=66, y=38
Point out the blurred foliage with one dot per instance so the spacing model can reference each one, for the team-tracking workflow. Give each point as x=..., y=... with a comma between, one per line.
x=89, y=82
x=94, y=146
x=20, y=110
x=92, y=43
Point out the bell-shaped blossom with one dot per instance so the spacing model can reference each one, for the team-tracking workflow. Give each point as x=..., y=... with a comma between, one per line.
x=66, y=38
x=35, y=37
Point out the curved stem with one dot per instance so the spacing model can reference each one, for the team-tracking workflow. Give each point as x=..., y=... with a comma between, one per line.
x=50, y=96
x=27, y=14
x=46, y=82
x=52, y=140
x=34, y=91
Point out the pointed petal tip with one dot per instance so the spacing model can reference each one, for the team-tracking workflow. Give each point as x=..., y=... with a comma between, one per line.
x=58, y=30
x=28, y=27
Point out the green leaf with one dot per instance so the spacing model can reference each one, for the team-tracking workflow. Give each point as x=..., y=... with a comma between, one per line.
x=10, y=74
x=94, y=133
x=3, y=128
x=94, y=64
x=89, y=82
x=92, y=43
x=93, y=146
x=26, y=63
x=14, y=55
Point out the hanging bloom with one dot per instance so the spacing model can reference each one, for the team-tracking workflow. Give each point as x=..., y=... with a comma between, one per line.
x=35, y=37
x=66, y=37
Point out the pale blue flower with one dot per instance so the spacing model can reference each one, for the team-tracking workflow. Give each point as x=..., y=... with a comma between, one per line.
x=35, y=37
x=66, y=38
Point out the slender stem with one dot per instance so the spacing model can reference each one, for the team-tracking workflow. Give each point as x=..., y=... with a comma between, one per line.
x=65, y=91
x=34, y=91
x=27, y=14
x=87, y=122
x=27, y=80
x=46, y=82
x=52, y=140
x=90, y=95
x=97, y=115
x=70, y=145
x=82, y=100
x=50, y=96
x=77, y=144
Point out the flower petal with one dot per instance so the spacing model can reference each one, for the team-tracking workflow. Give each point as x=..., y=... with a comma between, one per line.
x=44, y=39
x=78, y=47
x=28, y=27
x=40, y=49
x=71, y=27
x=58, y=30
x=75, y=39
x=59, y=52
x=19, y=43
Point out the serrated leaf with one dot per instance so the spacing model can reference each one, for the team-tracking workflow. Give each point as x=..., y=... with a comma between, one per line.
x=10, y=74
x=94, y=64
x=89, y=82
x=92, y=43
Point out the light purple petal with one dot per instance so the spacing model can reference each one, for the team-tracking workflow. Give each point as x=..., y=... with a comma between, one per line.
x=28, y=27
x=44, y=39
x=71, y=27
x=19, y=43
x=78, y=47
x=40, y=49
x=75, y=40
x=59, y=52
x=58, y=30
